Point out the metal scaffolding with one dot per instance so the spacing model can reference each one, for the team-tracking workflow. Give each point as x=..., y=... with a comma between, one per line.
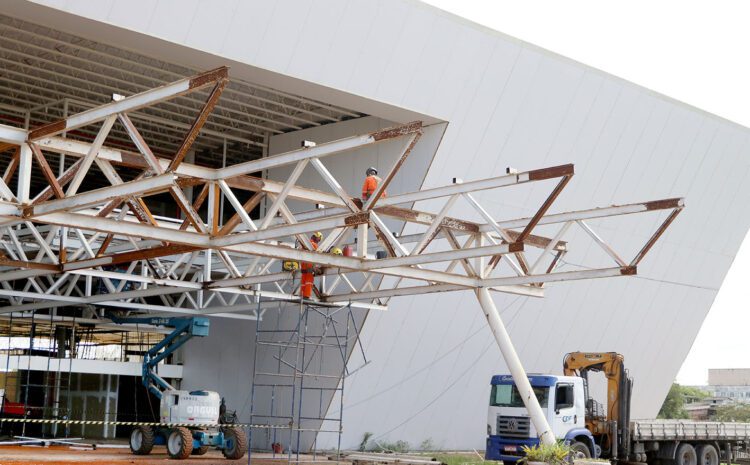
x=57, y=241
x=301, y=367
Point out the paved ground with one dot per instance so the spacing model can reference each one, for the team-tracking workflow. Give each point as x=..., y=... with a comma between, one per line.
x=62, y=455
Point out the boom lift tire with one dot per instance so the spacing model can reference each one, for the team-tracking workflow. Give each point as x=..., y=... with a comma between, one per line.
x=180, y=443
x=141, y=440
x=707, y=455
x=200, y=451
x=685, y=455
x=236, y=443
x=580, y=450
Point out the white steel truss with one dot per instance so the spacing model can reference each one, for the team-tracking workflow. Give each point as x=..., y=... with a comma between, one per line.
x=104, y=247
x=67, y=247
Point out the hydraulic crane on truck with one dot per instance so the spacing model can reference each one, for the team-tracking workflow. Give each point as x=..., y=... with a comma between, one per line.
x=613, y=428
x=193, y=421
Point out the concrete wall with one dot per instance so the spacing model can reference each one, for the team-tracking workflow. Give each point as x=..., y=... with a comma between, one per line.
x=507, y=103
x=729, y=376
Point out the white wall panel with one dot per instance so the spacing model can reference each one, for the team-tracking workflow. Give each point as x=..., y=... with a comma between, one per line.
x=246, y=29
x=209, y=16
x=136, y=14
x=507, y=103
x=182, y=14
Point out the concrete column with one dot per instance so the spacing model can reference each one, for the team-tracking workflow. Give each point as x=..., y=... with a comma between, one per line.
x=546, y=436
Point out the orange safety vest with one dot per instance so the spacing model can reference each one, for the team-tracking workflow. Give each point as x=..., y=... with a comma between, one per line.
x=307, y=267
x=308, y=277
x=371, y=184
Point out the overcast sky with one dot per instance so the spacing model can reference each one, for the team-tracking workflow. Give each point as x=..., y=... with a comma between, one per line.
x=694, y=51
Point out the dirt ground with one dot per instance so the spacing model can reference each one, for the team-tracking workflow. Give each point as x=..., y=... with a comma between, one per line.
x=63, y=455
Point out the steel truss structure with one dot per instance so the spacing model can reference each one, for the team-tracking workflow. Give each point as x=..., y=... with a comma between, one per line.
x=65, y=247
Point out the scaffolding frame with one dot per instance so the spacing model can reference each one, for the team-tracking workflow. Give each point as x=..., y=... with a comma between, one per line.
x=308, y=339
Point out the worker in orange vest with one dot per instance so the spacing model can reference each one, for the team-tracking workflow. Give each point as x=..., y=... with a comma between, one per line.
x=308, y=269
x=372, y=181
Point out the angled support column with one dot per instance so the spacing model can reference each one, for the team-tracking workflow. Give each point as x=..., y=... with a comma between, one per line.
x=521, y=380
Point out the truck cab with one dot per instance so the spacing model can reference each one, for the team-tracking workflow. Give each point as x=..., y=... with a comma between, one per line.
x=509, y=427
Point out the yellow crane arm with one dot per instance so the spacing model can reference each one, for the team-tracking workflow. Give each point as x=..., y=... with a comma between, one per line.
x=611, y=364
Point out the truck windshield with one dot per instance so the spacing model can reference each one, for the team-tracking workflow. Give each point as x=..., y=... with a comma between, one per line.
x=507, y=395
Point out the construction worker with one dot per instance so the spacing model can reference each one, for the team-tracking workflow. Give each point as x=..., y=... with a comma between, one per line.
x=372, y=181
x=308, y=269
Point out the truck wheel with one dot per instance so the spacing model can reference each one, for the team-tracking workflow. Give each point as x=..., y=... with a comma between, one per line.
x=180, y=443
x=142, y=440
x=200, y=451
x=236, y=443
x=707, y=455
x=685, y=455
x=579, y=450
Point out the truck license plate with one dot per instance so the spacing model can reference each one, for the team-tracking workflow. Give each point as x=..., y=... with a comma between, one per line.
x=509, y=448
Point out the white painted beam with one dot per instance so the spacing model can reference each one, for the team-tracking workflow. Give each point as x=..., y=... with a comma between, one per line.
x=444, y=256
x=479, y=185
x=429, y=289
x=77, y=365
x=12, y=135
x=86, y=199
x=133, y=102
x=561, y=276
x=317, y=151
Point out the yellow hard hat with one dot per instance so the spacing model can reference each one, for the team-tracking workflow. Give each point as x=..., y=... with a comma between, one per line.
x=317, y=235
x=336, y=251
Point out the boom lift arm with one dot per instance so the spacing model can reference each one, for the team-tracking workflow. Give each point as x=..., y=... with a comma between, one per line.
x=184, y=330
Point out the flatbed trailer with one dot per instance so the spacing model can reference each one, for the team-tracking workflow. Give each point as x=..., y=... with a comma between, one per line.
x=677, y=430
x=661, y=439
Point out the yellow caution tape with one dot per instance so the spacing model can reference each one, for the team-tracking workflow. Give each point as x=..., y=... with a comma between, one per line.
x=138, y=423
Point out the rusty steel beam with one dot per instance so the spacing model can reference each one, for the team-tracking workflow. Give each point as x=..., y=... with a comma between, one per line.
x=41, y=161
x=4, y=261
x=655, y=237
x=235, y=220
x=545, y=206
x=63, y=180
x=127, y=257
x=12, y=166
x=380, y=190
x=200, y=120
x=202, y=195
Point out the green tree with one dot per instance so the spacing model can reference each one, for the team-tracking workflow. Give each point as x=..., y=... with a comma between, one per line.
x=733, y=412
x=674, y=404
x=693, y=392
